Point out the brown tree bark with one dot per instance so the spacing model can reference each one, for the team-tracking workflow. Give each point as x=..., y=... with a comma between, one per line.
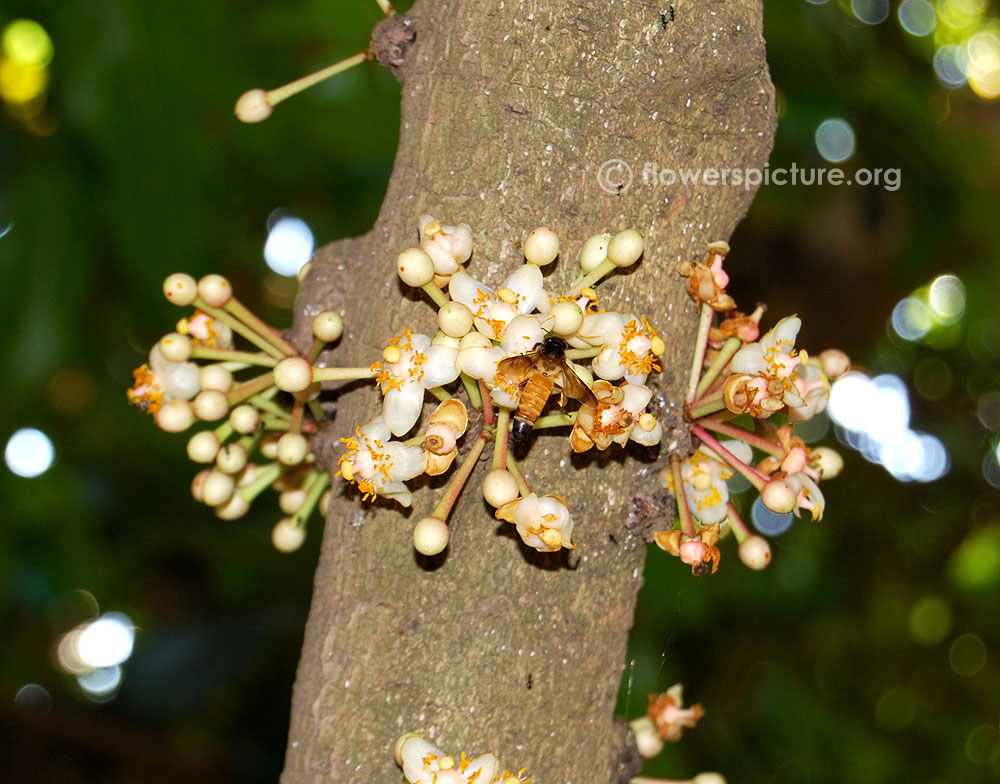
x=509, y=109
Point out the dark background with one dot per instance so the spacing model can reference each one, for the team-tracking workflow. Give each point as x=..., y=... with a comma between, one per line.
x=131, y=166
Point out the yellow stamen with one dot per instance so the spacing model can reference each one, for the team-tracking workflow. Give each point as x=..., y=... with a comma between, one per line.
x=392, y=354
x=507, y=295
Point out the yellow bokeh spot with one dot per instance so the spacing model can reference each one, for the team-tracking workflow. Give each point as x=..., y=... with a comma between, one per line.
x=967, y=655
x=20, y=83
x=983, y=51
x=930, y=620
x=975, y=565
x=25, y=42
x=896, y=708
x=960, y=14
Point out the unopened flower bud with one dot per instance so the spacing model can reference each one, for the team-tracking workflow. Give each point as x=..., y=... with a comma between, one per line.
x=541, y=246
x=217, y=488
x=210, y=405
x=292, y=374
x=244, y=419
x=291, y=500
x=180, y=289
x=253, y=106
x=778, y=496
x=709, y=777
x=203, y=447
x=231, y=458
x=455, y=319
x=174, y=416
x=215, y=377
x=594, y=251
x=834, y=362
x=287, y=538
x=292, y=449
x=567, y=318
x=755, y=552
x=414, y=267
x=215, y=290
x=828, y=461
x=324, y=502
x=499, y=487
x=175, y=347
x=268, y=446
x=430, y=536
x=198, y=484
x=625, y=248
x=328, y=326
x=233, y=509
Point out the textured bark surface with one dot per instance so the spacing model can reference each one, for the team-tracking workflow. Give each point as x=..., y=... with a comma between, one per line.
x=509, y=110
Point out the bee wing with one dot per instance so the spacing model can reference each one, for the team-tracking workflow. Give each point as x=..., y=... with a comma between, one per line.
x=574, y=387
x=517, y=369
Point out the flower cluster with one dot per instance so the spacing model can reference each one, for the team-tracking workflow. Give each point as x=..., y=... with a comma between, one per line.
x=424, y=763
x=512, y=348
x=736, y=372
x=261, y=439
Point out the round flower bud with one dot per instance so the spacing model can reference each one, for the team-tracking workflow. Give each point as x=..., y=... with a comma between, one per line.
x=286, y=537
x=215, y=377
x=834, y=362
x=328, y=326
x=203, y=447
x=198, y=484
x=499, y=487
x=625, y=248
x=303, y=271
x=180, y=289
x=430, y=536
x=828, y=461
x=755, y=552
x=268, y=446
x=231, y=458
x=293, y=374
x=234, y=508
x=174, y=416
x=594, y=251
x=778, y=496
x=291, y=500
x=709, y=777
x=567, y=318
x=244, y=419
x=210, y=405
x=541, y=246
x=292, y=449
x=415, y=267
x=455, y=319
x=175, y=347
x=215, y=290
x=253, y=106
x=324, y=502
x=474, y=340
x=217, y=489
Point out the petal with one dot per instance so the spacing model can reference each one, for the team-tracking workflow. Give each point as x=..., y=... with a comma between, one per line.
x=407, y=461
x=465, y=289
x=781, y=337
x=398, y=492
x=481, y=769
x=749, y=360
x=461, y=243
x=401, y=407
x=526, y=282
x=181, y=380
x=599, y=328
x=375, y=430
x=528, y=511
x=444, y=264
x=480, y=362
x=647, y=437
x=413, y=753
x=521, y=335
x=441, y=366
x=607, y=365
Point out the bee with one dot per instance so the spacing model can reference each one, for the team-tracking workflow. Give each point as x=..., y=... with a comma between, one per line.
x=538, y=373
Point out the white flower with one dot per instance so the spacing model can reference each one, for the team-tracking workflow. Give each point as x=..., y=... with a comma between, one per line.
x=448, y=246
x=765, y=374
x=423, y=763
x=160, y=381
x=378, y=465
x=494, y=310
x=813, y=390
x=704, y=475
x=412, y=365
x=619, y=416
x=207, y=331
x=543, y=523
x=627, y=349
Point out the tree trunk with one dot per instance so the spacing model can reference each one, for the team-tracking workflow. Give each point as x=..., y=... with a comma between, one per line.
x=509, y=110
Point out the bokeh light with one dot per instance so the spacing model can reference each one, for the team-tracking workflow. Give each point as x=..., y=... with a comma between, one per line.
x=896, y=708
x=870, y=11
x=988, y=409
x=289, y=245
x=770, y=523
x=946, y=298
x=911, y=319
x=932, y=378
x=917, y=17
x=33, y=697
x=835, y=140
x=29, y=452
x=106, y=641
x=930, y=620
x=102, y=683
x=950, y=65
x=25, y=41
x=967, y=655
x=975, y=564
x=984, y=64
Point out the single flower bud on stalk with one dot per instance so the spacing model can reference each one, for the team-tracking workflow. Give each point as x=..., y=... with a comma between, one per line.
x=292, y=449
x=215, y=290
x=203, y=447
x=286, y=537
x=175, y=416
x=210, y=405
x=541, y=246
x=430, y=536
x=244, y=419
x=180, y=289
x=175, y=347
x=217, y=488
x=328, y=326
x=293, y=374
x=215, y=377
x=232, y=458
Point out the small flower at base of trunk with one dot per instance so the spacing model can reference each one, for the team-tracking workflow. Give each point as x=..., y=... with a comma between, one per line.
x=707, y=281
x=543, y=523
x=448, y=423
x=669, y=715
x=697, y=551
x=423, y=763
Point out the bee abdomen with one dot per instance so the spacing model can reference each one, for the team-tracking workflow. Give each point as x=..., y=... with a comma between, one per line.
x=533, y=398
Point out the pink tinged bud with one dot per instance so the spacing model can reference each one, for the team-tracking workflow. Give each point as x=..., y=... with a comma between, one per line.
x=720, y=276
x=692, y=553
x=755, y=552
x=440, y=439
x=778, y=496
x=541, y=246
x=795, y=460
x=834, y=362
x=293, y=374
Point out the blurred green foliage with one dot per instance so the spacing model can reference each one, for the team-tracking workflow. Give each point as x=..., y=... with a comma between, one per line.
x=840, y=663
